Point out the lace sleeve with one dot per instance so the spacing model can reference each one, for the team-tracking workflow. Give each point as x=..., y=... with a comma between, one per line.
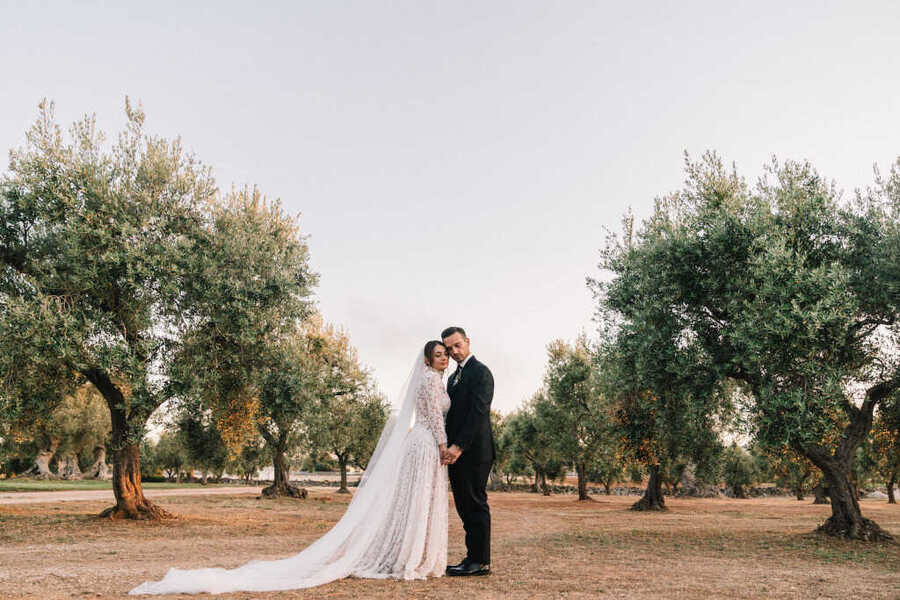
x=430, y=407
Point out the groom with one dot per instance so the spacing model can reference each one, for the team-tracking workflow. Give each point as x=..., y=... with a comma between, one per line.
x=470, y=450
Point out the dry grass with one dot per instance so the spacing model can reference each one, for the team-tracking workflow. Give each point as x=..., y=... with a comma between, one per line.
x=542, y=547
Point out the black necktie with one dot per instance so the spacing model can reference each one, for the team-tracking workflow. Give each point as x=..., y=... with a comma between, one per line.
x=457, y=375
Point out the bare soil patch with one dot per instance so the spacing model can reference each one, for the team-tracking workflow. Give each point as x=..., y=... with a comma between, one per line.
x=548, y=547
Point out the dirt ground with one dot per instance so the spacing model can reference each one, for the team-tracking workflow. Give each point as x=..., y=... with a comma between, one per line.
x=543, y=547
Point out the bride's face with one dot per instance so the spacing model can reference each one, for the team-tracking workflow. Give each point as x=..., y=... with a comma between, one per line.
x=439, y=358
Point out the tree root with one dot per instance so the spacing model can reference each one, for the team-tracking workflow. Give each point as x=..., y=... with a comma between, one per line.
x=144, y=511
x=285, y=491
x=868, y=530
x=646, y=504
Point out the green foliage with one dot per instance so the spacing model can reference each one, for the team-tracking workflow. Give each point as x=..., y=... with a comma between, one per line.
x=82, y=422
x=201, y=441
x=93, y=249
x=582, y=417
x=508, y=463
x=170, y=455
x=782, y=288
x=785, y=467
x=126, y=267
x=885, y=441
x=606, y=470
x=738, y=468
x=347, y=414
x=635, y=472
x=76, y=425
x=528, y=439
x=247, y=463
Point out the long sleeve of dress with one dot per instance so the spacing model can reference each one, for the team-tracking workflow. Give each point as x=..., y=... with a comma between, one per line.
x=429, y=406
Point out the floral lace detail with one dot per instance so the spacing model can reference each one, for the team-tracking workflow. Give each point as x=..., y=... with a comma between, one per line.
x=413, y=544
x=432, y=404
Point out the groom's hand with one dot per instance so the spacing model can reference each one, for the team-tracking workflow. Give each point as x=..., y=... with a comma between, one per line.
x=453, y=453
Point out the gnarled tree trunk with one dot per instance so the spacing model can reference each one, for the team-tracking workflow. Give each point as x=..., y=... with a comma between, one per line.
x=41, y=468
x=281, y=485
x=68, y=466
x=126, y=480
x=126, y=475
x=653, y=496
x=99, y=469
x=846, y=519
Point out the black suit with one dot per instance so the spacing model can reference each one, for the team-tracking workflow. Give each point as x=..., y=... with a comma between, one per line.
x=469, y=427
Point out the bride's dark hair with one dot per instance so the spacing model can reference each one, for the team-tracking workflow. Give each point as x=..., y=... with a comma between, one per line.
x=429, y=349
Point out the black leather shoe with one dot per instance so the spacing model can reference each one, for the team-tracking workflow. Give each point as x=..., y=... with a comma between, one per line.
x=469, y=569
x=457, y=566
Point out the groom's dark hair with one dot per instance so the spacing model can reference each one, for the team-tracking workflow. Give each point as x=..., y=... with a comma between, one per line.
x=451, y=330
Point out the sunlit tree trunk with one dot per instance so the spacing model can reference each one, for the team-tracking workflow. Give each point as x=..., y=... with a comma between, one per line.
x=126, y=478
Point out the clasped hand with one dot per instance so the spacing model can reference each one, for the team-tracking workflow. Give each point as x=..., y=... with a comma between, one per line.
x=450, y=455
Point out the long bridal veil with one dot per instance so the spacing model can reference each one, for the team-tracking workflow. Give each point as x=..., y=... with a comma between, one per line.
x=335, y=554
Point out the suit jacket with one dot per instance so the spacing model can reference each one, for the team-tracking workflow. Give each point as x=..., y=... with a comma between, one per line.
x=469, y=418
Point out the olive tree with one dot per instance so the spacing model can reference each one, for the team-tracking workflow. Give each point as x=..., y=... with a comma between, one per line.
x=738, y=470
x=528, y=437
x=111, y=259
x=668, y=410
x=886, y=446
x=579, y=414
x=786, y=290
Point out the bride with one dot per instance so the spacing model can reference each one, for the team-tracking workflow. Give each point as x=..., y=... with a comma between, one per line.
x=405, y=538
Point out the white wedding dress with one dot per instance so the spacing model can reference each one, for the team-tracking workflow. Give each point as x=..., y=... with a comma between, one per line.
x=404, y=537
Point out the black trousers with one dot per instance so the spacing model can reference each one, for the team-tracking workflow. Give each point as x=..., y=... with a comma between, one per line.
x=468, y=482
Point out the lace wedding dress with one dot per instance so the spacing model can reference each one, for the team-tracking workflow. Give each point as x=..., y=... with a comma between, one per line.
x=404, y=537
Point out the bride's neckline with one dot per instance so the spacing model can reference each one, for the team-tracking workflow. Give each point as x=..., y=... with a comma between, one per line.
x=433, y=370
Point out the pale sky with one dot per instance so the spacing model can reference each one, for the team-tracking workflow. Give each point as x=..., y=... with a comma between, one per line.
x=458, y=162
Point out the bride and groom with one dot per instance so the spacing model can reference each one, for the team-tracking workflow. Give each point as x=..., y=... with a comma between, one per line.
x=437, y=433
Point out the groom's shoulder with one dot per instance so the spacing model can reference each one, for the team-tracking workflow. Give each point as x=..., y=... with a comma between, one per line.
x=482, y=367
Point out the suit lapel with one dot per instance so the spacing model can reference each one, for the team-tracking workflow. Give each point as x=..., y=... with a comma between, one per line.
x=471, y=363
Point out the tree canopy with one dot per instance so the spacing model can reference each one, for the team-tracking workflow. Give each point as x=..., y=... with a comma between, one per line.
x=114, y=260
x=781, y=288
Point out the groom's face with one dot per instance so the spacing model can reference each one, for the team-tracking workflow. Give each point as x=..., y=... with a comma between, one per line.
x=458, y=346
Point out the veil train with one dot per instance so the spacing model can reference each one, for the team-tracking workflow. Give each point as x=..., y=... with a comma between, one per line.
x=334, y=555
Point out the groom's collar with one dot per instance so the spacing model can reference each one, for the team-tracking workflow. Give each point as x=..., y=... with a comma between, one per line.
x=463, y=363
